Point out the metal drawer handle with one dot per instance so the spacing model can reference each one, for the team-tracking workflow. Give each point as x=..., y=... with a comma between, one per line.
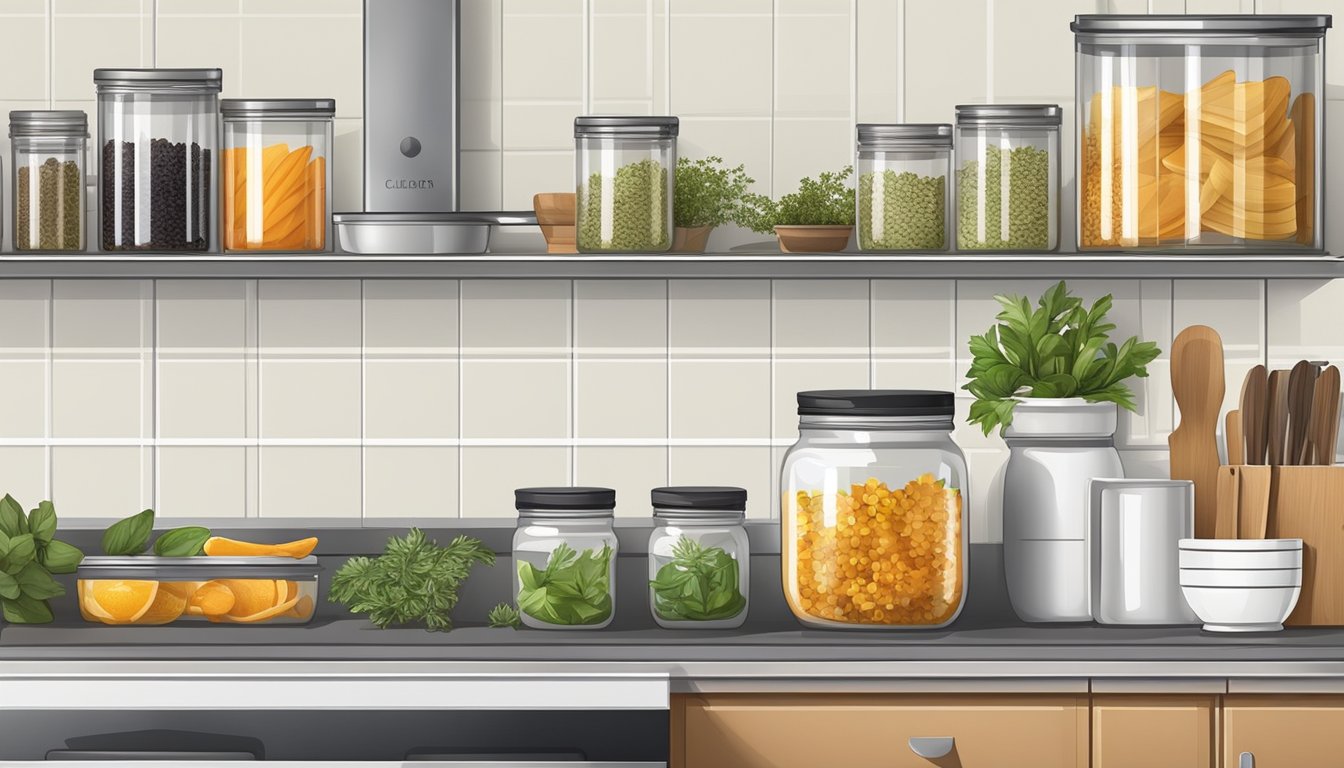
x=932, y=748
x=1247, y=760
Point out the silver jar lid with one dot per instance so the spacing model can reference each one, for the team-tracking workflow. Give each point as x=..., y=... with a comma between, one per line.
x=880, y=135
x=1009, y=114
x=204, y=80
x=635, y=127
x=48, y=122
x=1230, y=25
x=277, y=109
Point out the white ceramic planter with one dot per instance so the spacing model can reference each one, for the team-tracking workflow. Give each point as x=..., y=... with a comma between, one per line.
x=1058, y=446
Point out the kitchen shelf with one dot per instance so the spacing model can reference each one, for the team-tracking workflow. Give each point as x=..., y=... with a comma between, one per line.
x=751, y=264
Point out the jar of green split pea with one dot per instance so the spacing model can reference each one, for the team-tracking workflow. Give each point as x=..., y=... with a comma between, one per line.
x=903, y=187
x=624, y=175
x=1007, y=195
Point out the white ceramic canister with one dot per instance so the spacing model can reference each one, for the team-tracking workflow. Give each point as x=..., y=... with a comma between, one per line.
x=1057, y=447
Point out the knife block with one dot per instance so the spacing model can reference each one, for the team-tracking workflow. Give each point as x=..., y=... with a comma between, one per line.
x=1307, y=503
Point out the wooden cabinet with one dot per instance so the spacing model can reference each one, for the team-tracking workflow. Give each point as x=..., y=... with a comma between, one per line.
x=807, y=731
x=1284, y=731
x=1153, y=731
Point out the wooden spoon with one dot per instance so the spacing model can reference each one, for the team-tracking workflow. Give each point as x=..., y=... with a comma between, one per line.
x=1324, y=418
x=1197, y=380
x=1255, y=413
x=1278, y=416
x=1232, y=435
x=1301, y=385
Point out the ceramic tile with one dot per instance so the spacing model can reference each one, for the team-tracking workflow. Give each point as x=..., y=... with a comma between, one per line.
x=419, y=483
x=794, y=376
x=1234, y=308
x=102, y=318
x=516, y=318
x=315, y=7
x=23, y=475
x=482, y=44
x=621, y=317
x=310, y=398
x=515, y=399
x=720, y=399
x=945, y=80
x=739, y=141
x=721, y=7
x=27, y=7
x=735, y=81
x=25, y=316
x=621, y=398
x=482, y=182
x=198, y=482
x=201, y=318
x=808, y=85
x=23, y=398
x=749, y=468
x=311, y=54
x=1230, y=6
x=556, y=76
x=410, y=317
x=1303, y=321
x=880, y=67
x=203, y=41
x=100, y=398
x=805, y=148
x=309, y=318
x=632, y=472
x=196, y=7
x=85, y=43
x=1146, y=464
x=548, y=126
x=820, y=318
x=916, y=374
x=490, y=475
x=526, y=173
x=915, y=320
x=202, y=398
x=627, y=56
x=985, y=498
x=347, y=170
x=410, y=398
x=719, y=318
x=1033, y=50
x=97, y=7
x=100, y=483
x=320, y=482
x=26, y=52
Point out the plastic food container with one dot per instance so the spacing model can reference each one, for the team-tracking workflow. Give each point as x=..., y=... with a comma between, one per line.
x=1008, y=177
x=874, y=528
x=1200, y=132
x=147, y=590
x=625, y=168
x=158, y=132
x=564, y=557
x=48, y=160
x=276, y=182
x=904, y=189
x=699, y=557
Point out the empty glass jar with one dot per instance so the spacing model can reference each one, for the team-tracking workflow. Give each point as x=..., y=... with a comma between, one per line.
x=699, y=558
x=903, y=189
x=1007, y=177
x=49, y=148
x=564, y=557
x=625, y=169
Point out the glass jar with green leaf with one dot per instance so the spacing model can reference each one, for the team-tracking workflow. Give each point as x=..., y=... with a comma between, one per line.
x=706, y=195
x=699, y=558
x=818, y=218
x=564, y=557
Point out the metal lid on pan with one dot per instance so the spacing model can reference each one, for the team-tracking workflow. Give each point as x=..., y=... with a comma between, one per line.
x=201, y=568
x=631, y=126
x=276, y=109
x=506, y=218
x=206, y=80
x=1230, y=25
x=1009, y=114
x=48, y=122
x=877, y=135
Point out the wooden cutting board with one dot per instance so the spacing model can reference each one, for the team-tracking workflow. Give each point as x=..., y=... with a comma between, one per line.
x=1197, y=380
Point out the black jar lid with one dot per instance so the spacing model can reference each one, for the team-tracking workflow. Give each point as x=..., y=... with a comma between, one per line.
x=564, y=499
x=695, y=498
x=627, y=126
x=876, y=402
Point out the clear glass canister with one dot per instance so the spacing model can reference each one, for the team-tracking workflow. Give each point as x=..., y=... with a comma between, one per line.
x=903, y=193
x=49, y=149
x=1200, y=132
x=699, y=558
x=625, y=168
x=276, y=174
x=1008, y=177
x=158, y=132
x=874, y=519
x=564, y=557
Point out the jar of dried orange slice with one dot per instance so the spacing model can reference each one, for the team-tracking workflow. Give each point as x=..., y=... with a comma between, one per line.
x=874, y=510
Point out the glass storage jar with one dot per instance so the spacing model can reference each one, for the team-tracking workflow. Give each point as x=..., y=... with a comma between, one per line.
x=903, y=186
x=276, y=174
x=158, y=130
x=699, y=558
x=625, y=169
x=48, y=158
x=874, y=519
x=1200, y=132
x=564, y=557
x=1007, y=177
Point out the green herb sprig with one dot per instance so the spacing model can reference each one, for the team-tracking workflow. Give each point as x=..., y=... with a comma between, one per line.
x=700, y=584
x=29, y=555
x=414, y=581
x=573, y=589
x=1060, y=349
x=826, y=200
x=706, y=194
x=504, y=616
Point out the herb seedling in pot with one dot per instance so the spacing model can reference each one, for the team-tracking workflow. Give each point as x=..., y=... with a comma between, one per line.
x=818, y=217
x=705, y=195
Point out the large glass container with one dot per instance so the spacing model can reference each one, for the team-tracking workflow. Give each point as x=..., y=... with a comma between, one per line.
x=699, y=557
x=874, y=519
x=158, y=132
x=49, y=148
x=625, y=168
x=276, y=180
x=1200, y=132
x=564, y=557
x=903, y=194
x=1007, y=177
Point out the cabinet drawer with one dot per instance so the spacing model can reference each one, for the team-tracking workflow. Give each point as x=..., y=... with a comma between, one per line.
x=806, y=731
x=1153, y=731
x=1284, y=731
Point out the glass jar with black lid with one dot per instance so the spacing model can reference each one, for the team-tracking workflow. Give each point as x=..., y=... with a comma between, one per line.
x=564, y=557
x=699, y=557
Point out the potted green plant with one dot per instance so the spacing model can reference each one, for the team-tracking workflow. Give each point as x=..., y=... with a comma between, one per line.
x=818, y=218
x=705, y=195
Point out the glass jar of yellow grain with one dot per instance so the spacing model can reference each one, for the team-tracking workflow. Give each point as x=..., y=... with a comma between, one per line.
x=874, y=518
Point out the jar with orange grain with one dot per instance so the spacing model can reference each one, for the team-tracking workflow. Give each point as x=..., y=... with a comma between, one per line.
x=874, y=511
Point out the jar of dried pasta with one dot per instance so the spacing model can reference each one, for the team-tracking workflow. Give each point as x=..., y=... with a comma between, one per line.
x=874, y=519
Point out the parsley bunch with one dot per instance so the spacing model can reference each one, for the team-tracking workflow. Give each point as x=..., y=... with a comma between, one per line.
x=827, y=200
x=573, y=589
x=700, y=584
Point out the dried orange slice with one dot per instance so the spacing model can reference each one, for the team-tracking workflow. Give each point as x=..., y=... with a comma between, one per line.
x=122, y=600
x=251, y=595
x=218, y=546
x=168, y=606
x=259, y=616
x=213, y=598
x=91, y=610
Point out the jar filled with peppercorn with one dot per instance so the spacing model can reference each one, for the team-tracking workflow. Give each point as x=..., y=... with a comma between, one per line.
x=874, y=519
x=624, y=174
x=48, y=152
x=904, y=174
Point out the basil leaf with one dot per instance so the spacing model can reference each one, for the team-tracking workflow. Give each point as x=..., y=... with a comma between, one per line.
x=12, y=520
x=60, y=557
x=42, y=522
x=37, y=583
x=22, y=550
x=186, y=541
x=129, y=536
x=9, y=586
x=26, y=610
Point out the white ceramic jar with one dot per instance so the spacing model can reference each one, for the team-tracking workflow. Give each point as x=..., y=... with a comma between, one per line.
x=1057, y=447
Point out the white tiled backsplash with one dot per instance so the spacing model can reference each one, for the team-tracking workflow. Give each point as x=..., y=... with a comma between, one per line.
x=353, y=399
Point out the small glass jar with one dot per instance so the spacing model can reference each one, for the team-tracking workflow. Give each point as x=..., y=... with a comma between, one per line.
x=564, y=557
x=903, y=190
x=625, y=169
x=48, y=159
x=874, y=519
x=158, y=132
x=699, y=558
x=276, y=174
x=1008, y=177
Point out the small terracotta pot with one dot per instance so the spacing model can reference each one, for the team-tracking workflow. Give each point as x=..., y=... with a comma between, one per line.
x=690, y=239
x=555, y=216
x=809, y=238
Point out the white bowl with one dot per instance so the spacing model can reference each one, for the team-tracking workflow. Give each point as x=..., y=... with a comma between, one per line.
x=1224, y=560
x=1291, y=577
x=1242, y=609
x=1239, y=545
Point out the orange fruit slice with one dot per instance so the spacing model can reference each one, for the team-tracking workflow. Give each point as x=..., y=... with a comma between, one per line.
x=168, y=606
x=121, y=600
x=259, y=616
x=251, y=595
x=218, y=546
x=213, y=598
x=303, y=608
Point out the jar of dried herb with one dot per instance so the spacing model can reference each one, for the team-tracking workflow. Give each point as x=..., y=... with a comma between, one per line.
x=49, y=148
